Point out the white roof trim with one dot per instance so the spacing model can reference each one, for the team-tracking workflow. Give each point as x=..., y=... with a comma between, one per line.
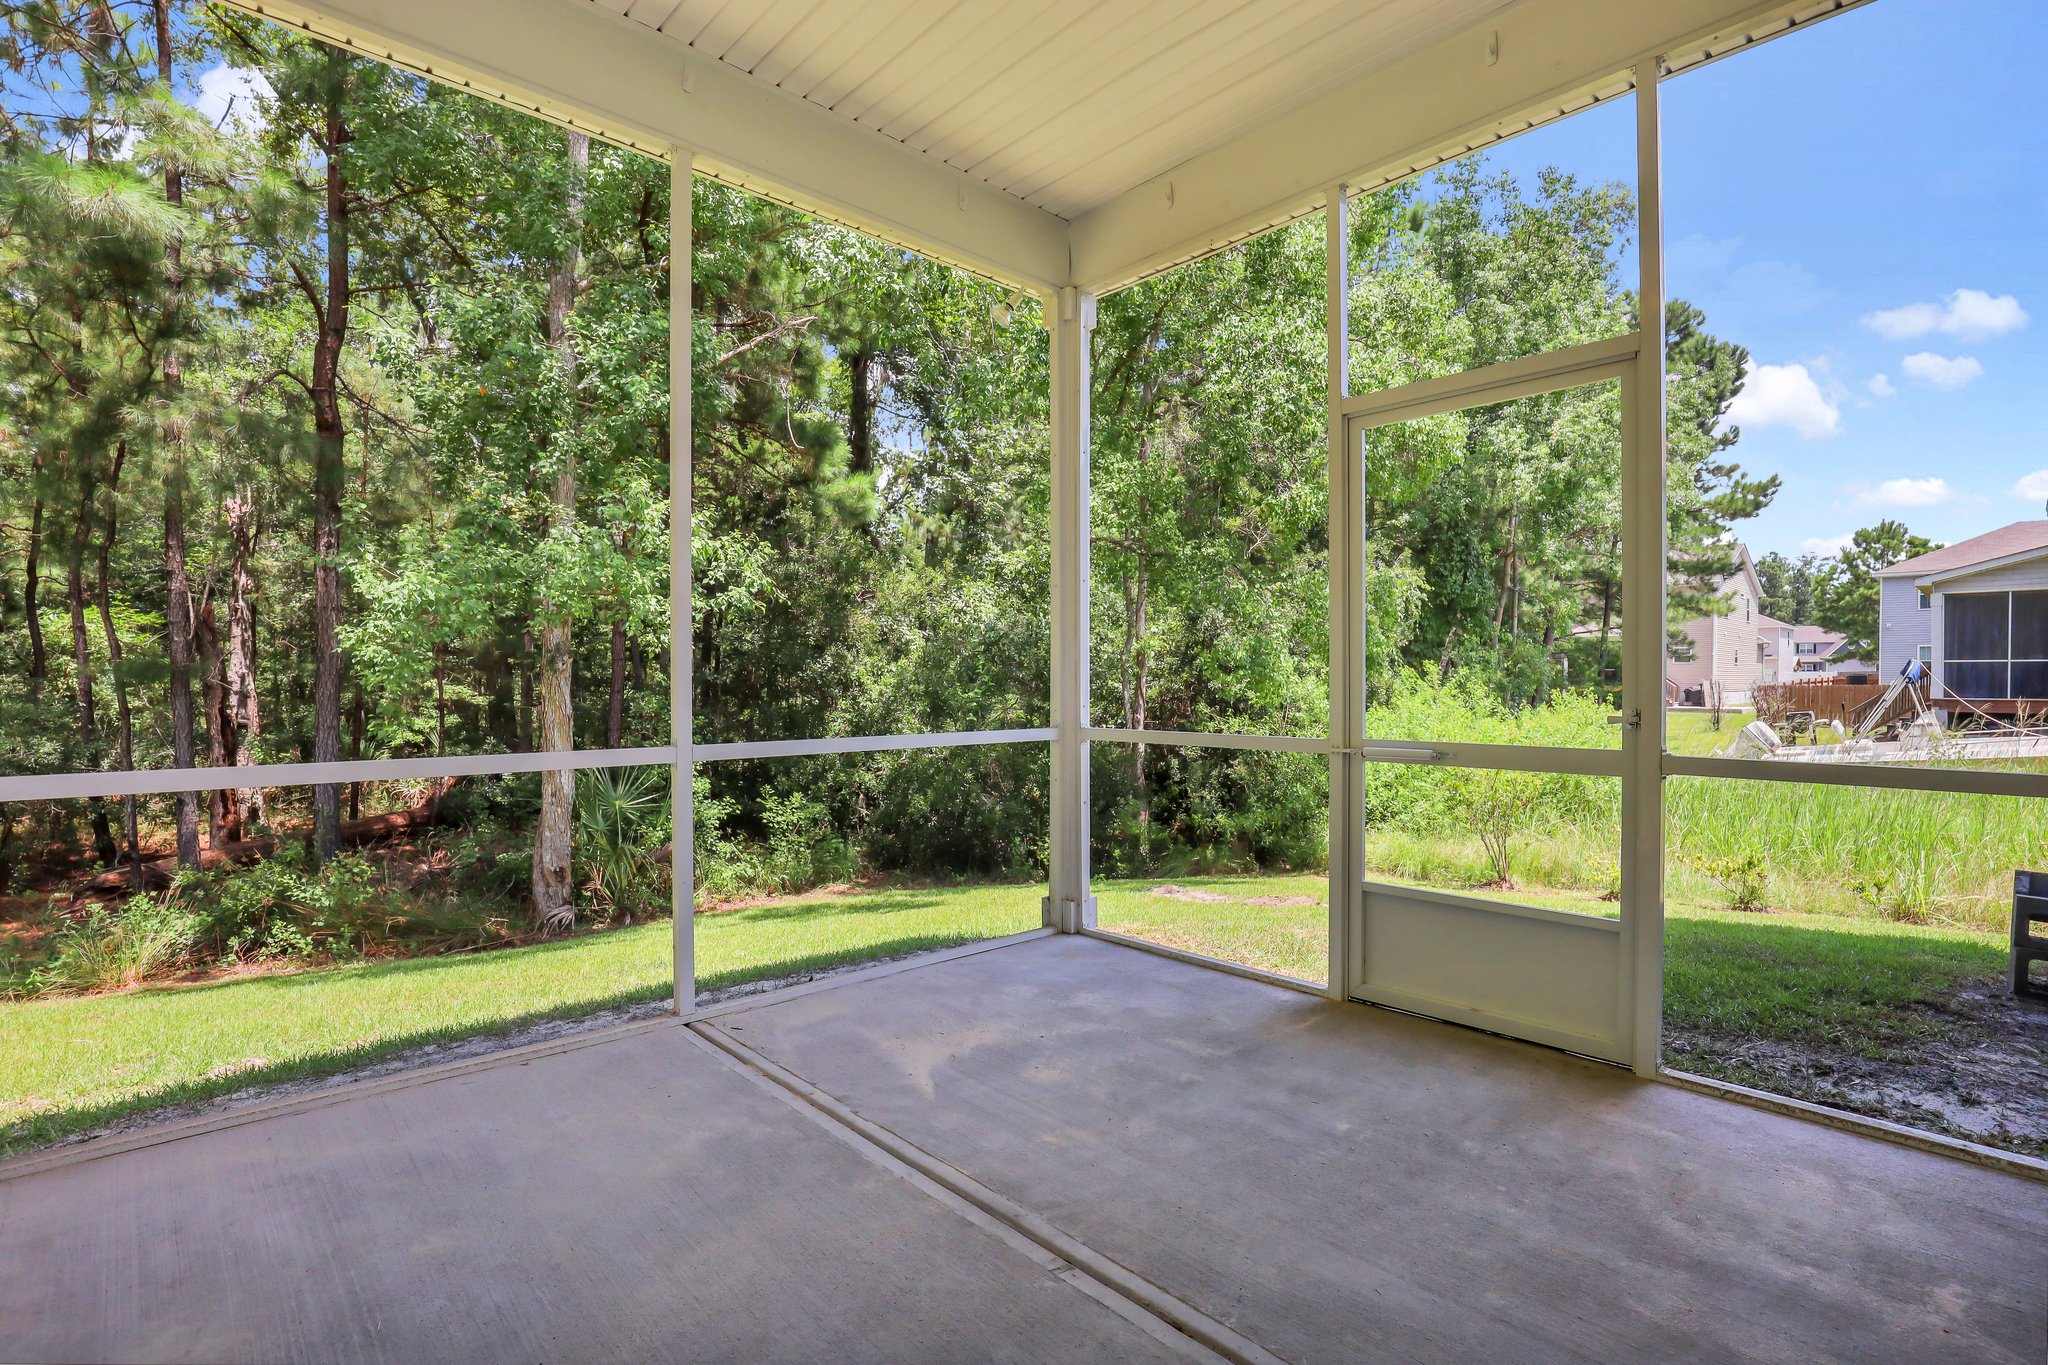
x=575, y=64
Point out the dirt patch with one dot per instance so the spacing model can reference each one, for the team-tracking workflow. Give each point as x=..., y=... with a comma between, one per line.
x=1982, y=1082
x=833, y=890
x=1196, y=894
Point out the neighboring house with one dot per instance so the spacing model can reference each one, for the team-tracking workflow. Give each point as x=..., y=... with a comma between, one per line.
x=1738, y=649
x=1816, y=653
x=1976, y=612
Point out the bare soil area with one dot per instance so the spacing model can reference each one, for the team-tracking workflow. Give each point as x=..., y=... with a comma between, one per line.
x=1984, y=1078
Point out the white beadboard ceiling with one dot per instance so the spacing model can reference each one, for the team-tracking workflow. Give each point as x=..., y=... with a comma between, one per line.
x=1062, y=103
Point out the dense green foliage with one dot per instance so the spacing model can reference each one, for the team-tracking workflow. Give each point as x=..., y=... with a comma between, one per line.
x=334, y=413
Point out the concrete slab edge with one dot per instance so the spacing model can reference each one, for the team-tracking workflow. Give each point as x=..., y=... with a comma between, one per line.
x=92, y=1149
x=1214, y=964
x=1054, y=1265
x=1181, y=1316
x=32, y=1163
x=776, y=995
x=1957, y=1149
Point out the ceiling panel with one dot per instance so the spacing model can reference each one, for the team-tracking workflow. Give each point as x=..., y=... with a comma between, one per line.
x=1063, y=103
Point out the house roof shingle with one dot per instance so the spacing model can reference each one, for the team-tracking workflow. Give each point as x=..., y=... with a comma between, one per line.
x=2017, y=538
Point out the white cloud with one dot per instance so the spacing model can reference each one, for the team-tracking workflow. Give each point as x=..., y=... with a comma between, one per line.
x=1932, y=492
x=1881, y=386
x=1785, y=396
x=2032, y=486
x=1968, y=315
x=1974, y=315
x=1826, y=545
x=1941, y=371
x=1896, y=324
x=231, y=93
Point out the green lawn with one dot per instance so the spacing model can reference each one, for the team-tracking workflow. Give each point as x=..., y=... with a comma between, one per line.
x=1824, y=981
x=1293, y=940
x=1844, y=984
x=71, y=1064
x=1693, y=734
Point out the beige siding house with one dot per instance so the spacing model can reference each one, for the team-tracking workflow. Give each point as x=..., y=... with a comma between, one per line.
x=1736, y=650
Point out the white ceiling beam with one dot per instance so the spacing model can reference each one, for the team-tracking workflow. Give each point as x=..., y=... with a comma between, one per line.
x=1458, y=92
x=574, y=62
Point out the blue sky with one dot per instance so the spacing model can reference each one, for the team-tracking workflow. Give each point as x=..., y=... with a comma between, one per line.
x=1865, y=198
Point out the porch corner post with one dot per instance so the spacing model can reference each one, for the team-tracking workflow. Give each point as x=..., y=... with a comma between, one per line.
x=1069, y=906
x=681, y=633
x=1347, y=616
x=1642, y=576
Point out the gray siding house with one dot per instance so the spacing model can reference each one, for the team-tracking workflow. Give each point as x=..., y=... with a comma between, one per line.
x=1976, y=612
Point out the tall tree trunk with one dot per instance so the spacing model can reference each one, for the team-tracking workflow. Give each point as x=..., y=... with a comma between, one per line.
x=329, y=452
x=615, y=714
x=860, y=434
x=554, y=893
x=526, y=703
x=223, y=825
x=440, y=699
x=81, y=664
x=103, y=595
x=242, y=720
x=177, y=586
x=359, y=721
x=31, y=586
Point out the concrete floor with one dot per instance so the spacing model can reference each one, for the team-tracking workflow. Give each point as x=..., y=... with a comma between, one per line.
x=639, y=1199
x=1341, y=1183
x=1268, y=1170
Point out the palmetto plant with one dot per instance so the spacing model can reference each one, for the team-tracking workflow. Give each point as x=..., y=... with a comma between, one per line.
x=622, y=824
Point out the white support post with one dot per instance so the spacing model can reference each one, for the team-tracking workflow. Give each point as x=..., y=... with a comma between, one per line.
x=1069, y=905
x=1347, y=615
x=1642, y=577
x=681, y=641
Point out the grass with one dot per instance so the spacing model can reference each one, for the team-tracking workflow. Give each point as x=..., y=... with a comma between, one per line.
x=1827, y=982
x=1831, y=982
x=1693, y=734
x=1292, y=940
x=72, y=1064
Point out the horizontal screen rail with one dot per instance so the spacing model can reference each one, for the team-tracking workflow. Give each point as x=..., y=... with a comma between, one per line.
x=866, y=744
x=163, y=781
x=1509, y=380
x=1525, y=758
x=157, y=781
x=1288, y=744
x=1890, y=776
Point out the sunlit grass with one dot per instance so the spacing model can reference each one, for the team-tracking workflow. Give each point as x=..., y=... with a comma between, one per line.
x=1248, y=920
x=1838, y=981
x=1692, y=732
x=68, y=1064
x=1821, y=981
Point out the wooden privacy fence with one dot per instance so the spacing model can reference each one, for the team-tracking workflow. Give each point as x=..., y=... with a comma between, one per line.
x=1828, y=700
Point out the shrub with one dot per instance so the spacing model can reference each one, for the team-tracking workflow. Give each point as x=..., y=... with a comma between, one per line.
x=622, y=823
x=1904, y=896
x=1744, y=876
x=107, y=950
x=284, y=908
